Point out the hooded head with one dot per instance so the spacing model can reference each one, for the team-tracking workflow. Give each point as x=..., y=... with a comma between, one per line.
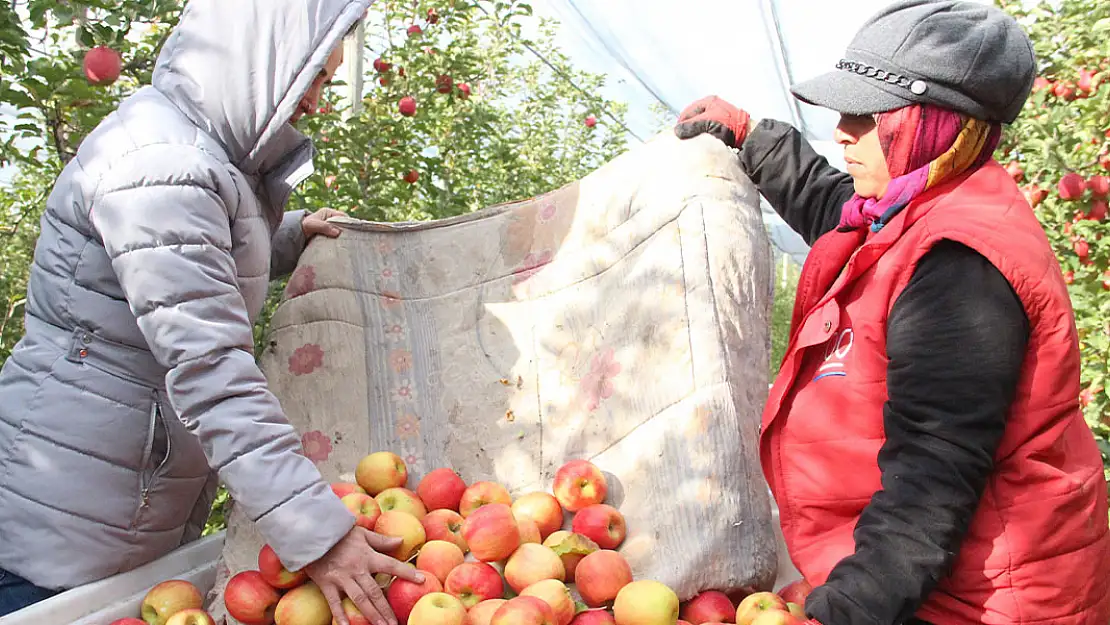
x=238, y=69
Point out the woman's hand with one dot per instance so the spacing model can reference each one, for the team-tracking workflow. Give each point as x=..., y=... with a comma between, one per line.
x=716, y=117
x=317, y=223
x=348, y=570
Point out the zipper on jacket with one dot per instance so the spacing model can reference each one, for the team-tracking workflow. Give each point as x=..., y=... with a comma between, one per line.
x=148, y=449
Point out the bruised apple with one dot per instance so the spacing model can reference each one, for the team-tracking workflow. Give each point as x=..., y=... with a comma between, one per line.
x=481, y=494
x=402, y=594
x=445, y=525
x=600, y=576
x=570, y=548
x=491, y=532
x=439, y=558
x=442, y=489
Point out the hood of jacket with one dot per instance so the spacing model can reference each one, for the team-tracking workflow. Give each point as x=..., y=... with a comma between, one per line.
x=238, y=69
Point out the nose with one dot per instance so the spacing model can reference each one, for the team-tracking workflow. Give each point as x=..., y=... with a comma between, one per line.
x=843, y=137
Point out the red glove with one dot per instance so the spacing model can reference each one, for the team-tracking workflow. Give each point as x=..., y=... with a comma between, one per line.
x=716, y=117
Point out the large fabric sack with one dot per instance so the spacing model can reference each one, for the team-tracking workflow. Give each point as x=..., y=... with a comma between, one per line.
x=624, y=318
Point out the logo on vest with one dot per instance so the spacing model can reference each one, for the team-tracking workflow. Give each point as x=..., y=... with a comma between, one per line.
x=835, y=353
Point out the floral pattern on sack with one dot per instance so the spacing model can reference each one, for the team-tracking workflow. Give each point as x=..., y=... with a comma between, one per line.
x=404, y=392
x=533, y=262
x=306, y=359
x=408, y=426
x=400, y=360
x=597, y=385
x=547, y=213
x=316, y=446
x=302, y=282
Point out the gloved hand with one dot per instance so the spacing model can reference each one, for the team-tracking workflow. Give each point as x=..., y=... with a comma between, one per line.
x=714, y=116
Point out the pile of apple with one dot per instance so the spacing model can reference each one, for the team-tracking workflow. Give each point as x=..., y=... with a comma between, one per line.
x=488, y=559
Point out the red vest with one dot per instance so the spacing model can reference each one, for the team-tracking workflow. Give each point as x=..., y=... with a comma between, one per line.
x=1038, y=547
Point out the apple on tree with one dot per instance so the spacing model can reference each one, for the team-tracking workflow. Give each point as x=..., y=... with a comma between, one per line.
x=102, y=66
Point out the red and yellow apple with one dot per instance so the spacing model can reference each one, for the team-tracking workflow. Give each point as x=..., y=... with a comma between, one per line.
x=446, y=525
x=530, y=563
x=192, y=616
x=439, y=558
x=711, y=606
x=438, y=608
x=364, y=507
x=304, y=605
x=353, y=614
x=401, y=499
x=571, y=548
x=579, y=483
x=600, y=576
x=168, y=598
x=250, y=599
x=777, y=617
x=402, y=594
x=275, y=573
x=442, y=489
x=755, y=604
x=381, y=470
x=128, y=621
x=557, y=595
x=474, y=582
x=602, y=524
x=524, y=611
x=482, y=613
x=646, y=602
x=796, y=592
x=491, y=532
x=481, y=494
x=596, y=616
x=404, y=526
x=342, y=489
x=543, y=509
x=796, y=610
x=529, y=533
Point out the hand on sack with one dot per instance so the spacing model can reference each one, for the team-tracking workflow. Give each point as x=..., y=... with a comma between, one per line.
x=716, y=117
x=349, y=568
x=317, y=223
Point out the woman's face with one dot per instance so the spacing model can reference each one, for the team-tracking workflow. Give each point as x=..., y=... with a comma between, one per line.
x=859, y=134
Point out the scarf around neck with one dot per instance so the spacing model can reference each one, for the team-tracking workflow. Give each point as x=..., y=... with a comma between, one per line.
x=925, y=145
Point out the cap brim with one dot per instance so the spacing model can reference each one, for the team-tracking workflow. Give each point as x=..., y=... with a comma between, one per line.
x=849, y=94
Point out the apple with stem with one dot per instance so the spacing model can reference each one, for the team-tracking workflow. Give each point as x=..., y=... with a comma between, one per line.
x=382, y=469
x=578, y=484
x=364, y=507
x=474, y=582
x=403, y=500
x=757, y=603
x=438, y=608
x=446, y=525
x=481, y=494
x=602, y=524
x=249, y=599
x=168, y=598
x=442, y=488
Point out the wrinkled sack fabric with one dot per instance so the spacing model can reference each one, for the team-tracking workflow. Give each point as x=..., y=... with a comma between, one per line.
x=624, y=318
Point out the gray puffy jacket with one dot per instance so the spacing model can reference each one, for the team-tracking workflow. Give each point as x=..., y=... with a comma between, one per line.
x=135, y=384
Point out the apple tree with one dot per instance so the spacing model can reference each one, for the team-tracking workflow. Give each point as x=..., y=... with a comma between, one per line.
x=1059, y=150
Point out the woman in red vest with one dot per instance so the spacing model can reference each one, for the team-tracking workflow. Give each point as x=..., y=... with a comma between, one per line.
x=923, y=438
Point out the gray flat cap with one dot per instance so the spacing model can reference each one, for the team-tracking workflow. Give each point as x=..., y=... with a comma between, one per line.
x=969, y=57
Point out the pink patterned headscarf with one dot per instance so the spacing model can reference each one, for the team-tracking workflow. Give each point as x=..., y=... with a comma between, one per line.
x=924, y=145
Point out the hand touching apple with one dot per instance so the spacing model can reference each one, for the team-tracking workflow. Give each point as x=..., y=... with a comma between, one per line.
x=349, y=568
x=317, y=223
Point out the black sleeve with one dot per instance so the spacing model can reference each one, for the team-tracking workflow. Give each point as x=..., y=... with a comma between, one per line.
x=800, y=184
x=956, y=341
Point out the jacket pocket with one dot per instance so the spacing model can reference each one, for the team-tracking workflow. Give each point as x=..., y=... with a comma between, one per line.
x=156, y=453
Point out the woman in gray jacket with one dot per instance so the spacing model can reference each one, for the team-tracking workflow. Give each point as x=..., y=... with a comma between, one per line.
x=135, y=389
